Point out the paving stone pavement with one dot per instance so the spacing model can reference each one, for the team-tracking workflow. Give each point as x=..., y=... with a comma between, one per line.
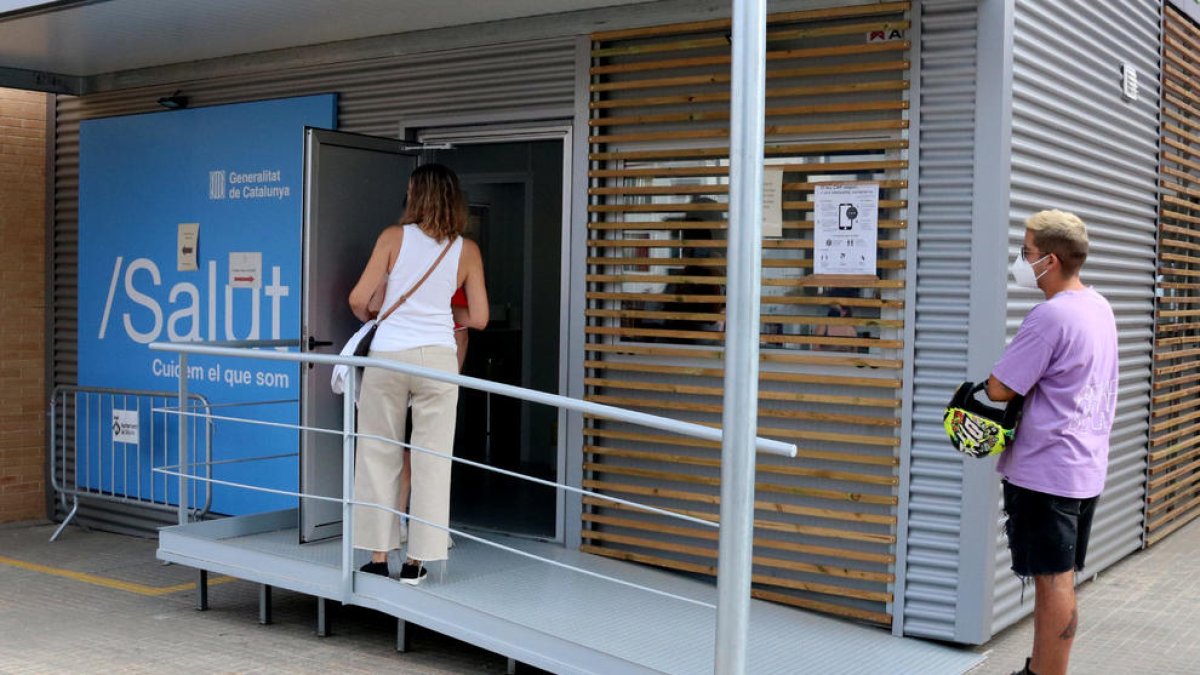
x=1141, y=616
x=50, y=624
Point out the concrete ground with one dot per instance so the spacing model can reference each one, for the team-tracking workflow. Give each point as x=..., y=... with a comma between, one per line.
x=1141, y=615
x=97, y=602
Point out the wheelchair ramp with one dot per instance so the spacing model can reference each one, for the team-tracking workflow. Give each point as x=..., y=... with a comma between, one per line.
x=556, y=619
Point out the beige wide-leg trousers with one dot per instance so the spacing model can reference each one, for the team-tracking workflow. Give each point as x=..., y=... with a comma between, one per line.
x=381, y=412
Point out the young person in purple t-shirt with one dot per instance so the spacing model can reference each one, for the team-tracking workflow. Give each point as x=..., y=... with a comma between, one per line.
x=1063, y=360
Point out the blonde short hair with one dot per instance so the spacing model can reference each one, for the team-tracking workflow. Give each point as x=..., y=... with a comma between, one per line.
x=1062, y=234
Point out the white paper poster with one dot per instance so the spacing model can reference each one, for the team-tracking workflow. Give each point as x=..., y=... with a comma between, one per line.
x=772, y=202
x=245, y=270
x=846, y=233
x=125, y=426
x=189, y=239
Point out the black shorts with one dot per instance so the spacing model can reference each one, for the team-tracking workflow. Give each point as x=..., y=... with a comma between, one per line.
x=1047, y=534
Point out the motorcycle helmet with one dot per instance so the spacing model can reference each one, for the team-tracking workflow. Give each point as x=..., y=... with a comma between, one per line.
x=980, y=428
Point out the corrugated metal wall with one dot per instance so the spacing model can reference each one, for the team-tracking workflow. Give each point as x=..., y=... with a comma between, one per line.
x=504, y=82
x=1078, y=145
x=948, y=67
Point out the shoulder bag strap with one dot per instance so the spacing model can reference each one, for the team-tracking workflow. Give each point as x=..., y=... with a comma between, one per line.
x=404, y=298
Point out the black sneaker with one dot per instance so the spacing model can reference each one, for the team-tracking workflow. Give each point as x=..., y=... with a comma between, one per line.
x=1025, y=670
x=380, y=568
x=413, y=574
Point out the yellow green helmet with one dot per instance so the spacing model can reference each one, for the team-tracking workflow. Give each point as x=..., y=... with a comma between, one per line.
x=977, y=428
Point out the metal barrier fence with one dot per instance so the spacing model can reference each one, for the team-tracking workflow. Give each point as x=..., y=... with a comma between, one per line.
x=106, y=443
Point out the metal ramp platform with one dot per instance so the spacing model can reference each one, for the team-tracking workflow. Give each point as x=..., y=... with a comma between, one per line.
x=553, y=618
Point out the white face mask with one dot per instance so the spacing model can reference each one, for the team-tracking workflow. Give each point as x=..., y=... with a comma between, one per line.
x=1022, y=271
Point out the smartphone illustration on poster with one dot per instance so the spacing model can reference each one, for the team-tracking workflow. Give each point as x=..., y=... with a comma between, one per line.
x=847, y=214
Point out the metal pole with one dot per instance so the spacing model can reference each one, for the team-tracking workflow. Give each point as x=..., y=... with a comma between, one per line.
x=740, y=415
x=348, y=410
x=184, y=469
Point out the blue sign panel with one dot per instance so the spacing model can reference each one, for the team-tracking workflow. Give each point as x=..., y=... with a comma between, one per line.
x=190, y=229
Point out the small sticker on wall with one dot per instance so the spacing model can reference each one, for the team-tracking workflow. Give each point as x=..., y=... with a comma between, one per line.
x=886, y=33
x=125, y=426
x=245, y=270
x=189, y=242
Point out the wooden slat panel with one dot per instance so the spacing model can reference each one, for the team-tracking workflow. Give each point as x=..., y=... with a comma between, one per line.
x=772, y=36
x=700, y=171
x=763, y=375
x=772, y=56
x=788, y=226
x=712, y=534
x=792, y=397
x=765, y=263
x=791, y=414
x=761, y=524
x=801, y=16
x=831, y=608
x=1173, y=487
x=769, y=245
x=765, y=300
x=795, y=149
x=766, y=318
x=837, y=108
x=693, y=208
x=803, y=282
x=715, y=463
x=771, y=130
x=723, y=96
x=801, y=453
x=723, y=115
x=711, y=553
x=719, y=189
x=768, y=357
x=760, y=505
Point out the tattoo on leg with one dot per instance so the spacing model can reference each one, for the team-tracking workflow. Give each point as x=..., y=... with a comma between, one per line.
x=1069, y=632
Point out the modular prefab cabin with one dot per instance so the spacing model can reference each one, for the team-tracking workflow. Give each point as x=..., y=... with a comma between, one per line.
x=594, y=141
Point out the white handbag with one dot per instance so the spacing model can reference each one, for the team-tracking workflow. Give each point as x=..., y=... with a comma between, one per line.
x=338, y=381
x=354, y=346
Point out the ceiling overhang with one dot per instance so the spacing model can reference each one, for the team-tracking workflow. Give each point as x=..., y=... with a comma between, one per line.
x=61, y=46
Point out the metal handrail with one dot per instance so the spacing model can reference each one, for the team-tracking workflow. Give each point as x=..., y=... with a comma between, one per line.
x=732, y=617
x=171, y=470
x=428, y=451
x=691, y=429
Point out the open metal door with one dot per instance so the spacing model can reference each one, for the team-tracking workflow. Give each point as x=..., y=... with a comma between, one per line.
x=354, y=187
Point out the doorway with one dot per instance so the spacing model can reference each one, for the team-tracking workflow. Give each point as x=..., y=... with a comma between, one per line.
x=515, y=192
x=518, y=206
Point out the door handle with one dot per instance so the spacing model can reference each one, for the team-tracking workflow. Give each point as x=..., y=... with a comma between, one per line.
x=314, y=343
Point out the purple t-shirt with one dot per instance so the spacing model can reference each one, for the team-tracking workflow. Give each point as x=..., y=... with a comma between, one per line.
x=1064, y=361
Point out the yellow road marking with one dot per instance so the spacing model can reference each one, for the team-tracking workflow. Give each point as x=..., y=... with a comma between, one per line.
x=107, y=582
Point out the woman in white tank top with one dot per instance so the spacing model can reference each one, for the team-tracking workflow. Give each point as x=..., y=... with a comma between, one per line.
x=426, y=259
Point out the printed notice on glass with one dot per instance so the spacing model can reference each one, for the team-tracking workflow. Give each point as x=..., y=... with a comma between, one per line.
x=772, y=202
x=245, y=270
x=189, y=240
x=846, y=233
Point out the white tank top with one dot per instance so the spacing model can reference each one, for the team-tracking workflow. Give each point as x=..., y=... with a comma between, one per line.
x=425, y=319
